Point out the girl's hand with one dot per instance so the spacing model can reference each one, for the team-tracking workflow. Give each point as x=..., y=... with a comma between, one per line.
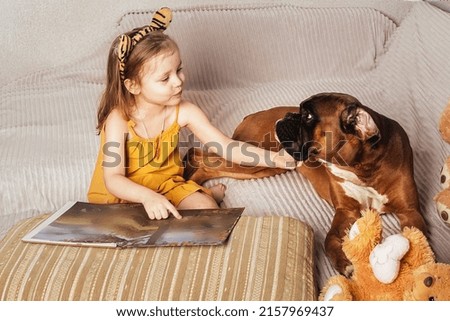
x=158, y=207
x=283, y=160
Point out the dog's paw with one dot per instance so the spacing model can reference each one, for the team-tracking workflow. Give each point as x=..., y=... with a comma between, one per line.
x=344, y=267
x=348, y=272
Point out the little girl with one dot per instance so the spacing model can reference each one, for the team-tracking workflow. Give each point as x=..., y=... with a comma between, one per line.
x=139, y=118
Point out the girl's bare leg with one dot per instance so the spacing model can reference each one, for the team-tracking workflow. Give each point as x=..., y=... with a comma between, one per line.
x=199, y=200
x=218, y=192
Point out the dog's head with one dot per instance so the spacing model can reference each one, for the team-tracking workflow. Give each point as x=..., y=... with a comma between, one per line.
x=329, y=126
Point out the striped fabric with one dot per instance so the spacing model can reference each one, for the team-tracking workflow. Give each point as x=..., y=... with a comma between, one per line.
x=238, y=60
x=267, y=258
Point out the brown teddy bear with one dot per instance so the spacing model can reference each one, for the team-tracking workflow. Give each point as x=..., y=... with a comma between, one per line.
x=402, y=267
x=443, y=197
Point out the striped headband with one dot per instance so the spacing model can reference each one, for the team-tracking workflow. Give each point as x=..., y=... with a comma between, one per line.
x=160, y=21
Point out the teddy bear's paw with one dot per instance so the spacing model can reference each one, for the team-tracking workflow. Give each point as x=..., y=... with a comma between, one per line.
x=385, y=258
x=339, y=289
x=361, y=237
x=354, y=231
x=368, y=224
x=333, y=292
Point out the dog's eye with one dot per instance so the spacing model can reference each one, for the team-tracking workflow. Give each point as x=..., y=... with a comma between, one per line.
x=308, y=117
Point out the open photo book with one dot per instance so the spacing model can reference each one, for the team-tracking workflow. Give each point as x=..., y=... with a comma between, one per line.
x=127, y=225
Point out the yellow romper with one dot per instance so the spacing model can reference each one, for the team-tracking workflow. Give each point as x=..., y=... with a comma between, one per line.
x=154, y=163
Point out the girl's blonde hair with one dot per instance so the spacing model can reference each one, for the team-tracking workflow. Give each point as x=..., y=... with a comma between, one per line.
x=116, y=94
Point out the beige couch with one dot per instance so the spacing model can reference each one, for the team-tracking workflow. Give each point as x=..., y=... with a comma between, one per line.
x=239, y=57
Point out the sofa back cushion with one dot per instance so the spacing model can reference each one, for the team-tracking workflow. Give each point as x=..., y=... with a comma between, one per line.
x=231, y=48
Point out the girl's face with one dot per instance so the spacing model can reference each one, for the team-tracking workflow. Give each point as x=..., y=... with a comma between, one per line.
x=161, y=81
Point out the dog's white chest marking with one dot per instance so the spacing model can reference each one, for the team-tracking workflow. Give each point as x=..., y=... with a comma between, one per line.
x=367, y=196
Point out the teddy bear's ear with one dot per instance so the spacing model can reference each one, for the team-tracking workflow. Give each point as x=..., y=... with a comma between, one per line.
x=442, y=199
x=443, y=205
x=445, y=174
x=444, y=124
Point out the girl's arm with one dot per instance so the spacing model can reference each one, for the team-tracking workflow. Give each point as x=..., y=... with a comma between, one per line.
x=156, y=205
x=235, y=151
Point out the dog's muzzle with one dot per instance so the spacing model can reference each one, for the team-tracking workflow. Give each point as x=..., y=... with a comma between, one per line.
x=288, y=134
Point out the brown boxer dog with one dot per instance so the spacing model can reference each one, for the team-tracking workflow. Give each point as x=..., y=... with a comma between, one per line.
x=354, y=157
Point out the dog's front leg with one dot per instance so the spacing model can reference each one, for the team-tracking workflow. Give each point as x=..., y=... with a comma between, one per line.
x=411, y=218
x=342, y=221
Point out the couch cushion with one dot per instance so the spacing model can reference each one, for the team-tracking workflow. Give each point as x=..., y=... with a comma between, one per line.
x=266, y=258
x=276, y=42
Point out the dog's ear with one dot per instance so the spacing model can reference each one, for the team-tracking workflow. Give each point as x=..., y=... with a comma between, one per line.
x=357, y=121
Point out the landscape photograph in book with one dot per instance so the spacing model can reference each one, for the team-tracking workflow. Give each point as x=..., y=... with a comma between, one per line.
x=127, y=225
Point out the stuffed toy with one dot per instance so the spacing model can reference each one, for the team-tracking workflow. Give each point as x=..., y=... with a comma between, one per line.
x=402, y=267
x=443, y=197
